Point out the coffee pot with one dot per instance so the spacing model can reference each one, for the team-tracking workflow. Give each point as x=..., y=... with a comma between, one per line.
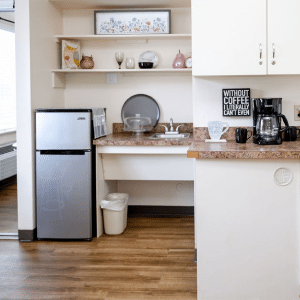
x=267, y=118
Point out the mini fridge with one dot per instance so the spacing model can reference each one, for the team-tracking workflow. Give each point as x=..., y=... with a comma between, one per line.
x=65, y=174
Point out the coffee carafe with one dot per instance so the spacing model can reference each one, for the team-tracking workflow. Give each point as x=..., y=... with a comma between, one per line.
x=267, y=118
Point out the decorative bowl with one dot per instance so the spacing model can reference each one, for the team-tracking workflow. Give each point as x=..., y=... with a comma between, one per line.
x=146, y=65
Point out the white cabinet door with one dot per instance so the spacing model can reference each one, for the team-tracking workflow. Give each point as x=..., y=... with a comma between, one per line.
x=283, y=33
x=227, y=36
x=247, y=229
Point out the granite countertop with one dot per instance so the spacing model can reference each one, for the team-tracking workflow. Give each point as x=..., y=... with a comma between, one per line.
x=249, y=150
x=125, y=139
x=198, y=148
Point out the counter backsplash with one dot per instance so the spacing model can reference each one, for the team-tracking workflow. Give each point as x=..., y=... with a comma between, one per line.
x=187, y=128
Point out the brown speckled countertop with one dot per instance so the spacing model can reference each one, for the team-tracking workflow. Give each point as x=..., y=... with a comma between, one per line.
x=202, y=150
x=249, y=150
x=123, y=139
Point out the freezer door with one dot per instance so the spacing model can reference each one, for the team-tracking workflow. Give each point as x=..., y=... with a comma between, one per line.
x=64, y=195
x=63, y=130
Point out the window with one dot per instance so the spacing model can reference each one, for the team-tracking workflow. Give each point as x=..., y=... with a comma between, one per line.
x=7, y=78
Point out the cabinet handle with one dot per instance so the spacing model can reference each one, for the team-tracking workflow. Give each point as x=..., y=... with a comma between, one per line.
x=260, y=51
x=273, y=62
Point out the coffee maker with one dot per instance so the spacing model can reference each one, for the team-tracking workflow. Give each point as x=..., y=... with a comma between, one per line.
x=267, y=121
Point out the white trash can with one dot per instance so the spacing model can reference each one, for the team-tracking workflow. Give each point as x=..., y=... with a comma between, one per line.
x=115, y=208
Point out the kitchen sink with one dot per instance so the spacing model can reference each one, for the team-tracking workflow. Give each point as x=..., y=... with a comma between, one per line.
x=169, y=136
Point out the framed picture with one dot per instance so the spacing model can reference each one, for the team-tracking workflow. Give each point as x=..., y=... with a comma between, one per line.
x=132, y=22
x=236, y=102
x=70, y=54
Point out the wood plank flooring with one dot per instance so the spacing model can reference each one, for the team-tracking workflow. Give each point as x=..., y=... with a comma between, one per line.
x=152, y=259
x=8, y=209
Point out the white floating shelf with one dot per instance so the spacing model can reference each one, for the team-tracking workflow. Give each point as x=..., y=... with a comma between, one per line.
x=120, y=4
x=186, y=70
x=119, y=37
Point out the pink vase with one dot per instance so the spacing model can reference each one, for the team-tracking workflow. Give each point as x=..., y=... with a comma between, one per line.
x=179, y=61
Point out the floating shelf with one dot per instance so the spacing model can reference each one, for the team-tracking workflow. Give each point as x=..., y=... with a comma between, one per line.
x=113, y=4
x=123, y=37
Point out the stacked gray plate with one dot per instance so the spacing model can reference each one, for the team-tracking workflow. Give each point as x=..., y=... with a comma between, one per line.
x=141, y=104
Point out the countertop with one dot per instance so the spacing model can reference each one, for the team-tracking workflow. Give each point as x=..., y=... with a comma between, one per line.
x=124, y=139
x=249, y=150
x=202, y=150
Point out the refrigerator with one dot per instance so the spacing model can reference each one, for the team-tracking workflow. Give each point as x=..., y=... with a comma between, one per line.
x=65, y=174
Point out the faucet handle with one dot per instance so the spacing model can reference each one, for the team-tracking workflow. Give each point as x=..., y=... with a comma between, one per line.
x=165, y=127
x=178, y=127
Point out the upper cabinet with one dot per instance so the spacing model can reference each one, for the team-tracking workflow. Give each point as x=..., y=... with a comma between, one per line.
x=283, y=36
x=249, y=37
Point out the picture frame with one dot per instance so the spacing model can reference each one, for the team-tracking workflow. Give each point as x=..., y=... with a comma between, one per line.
x=132, y=22
x=236, y=102
x=70, y=54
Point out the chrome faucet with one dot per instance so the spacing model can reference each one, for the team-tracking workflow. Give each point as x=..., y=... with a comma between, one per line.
x=171, y=131
x=171, y=125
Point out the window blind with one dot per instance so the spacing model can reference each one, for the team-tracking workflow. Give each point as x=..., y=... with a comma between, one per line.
x=7, y=77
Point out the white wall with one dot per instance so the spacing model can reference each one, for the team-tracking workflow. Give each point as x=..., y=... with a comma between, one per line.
x=173, y=93
x=36, y=23
x=207, y=94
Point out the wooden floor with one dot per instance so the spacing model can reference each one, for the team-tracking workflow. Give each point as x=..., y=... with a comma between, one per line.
x=8, y=209
x=152, y=259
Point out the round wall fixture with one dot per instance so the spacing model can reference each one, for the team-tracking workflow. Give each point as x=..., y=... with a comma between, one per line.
x=283, y=176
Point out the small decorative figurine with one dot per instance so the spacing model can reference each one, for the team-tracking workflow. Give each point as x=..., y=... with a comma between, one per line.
x=87, y=62
x=179, y=61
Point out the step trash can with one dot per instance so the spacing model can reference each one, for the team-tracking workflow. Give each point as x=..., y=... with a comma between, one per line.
x=115, y=206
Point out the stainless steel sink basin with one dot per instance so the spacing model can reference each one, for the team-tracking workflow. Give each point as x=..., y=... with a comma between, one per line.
x=169, y=136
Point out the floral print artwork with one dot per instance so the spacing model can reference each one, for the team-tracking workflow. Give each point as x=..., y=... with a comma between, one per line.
x=132, y=22
x=70, y=54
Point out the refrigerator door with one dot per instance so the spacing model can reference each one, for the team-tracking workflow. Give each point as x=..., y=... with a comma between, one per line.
x=63, y=130
x=64, y=195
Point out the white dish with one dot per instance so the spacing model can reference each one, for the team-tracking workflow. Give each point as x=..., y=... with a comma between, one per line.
x=149, y=56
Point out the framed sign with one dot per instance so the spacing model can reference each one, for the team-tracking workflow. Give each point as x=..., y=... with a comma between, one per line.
x=236, y=102
x=132, y=22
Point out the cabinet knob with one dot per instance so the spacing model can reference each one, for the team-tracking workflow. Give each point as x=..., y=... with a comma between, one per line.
x=273, y=62
x=260, y=62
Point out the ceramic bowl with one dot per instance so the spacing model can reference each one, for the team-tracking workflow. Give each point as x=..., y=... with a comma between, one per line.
x=146, y=65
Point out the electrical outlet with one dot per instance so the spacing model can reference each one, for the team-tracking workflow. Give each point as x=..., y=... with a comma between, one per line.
x=111, y=78
x=297, y=112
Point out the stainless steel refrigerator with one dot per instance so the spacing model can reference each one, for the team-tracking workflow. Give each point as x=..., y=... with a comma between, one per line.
x=65, y=175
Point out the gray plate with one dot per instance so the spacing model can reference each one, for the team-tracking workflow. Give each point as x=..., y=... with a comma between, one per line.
x=141, y=104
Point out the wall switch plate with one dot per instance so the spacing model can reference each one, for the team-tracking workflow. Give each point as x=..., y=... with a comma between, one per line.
x=297, y=112
x=111, y=78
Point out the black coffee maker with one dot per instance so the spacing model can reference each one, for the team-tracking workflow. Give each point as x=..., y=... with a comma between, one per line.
x=267, y=121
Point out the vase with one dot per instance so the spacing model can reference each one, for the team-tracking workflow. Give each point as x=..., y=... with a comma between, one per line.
x=179, y=61
x=87, y=62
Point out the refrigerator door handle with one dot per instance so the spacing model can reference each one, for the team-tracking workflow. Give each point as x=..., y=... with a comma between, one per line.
x=63, y=152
